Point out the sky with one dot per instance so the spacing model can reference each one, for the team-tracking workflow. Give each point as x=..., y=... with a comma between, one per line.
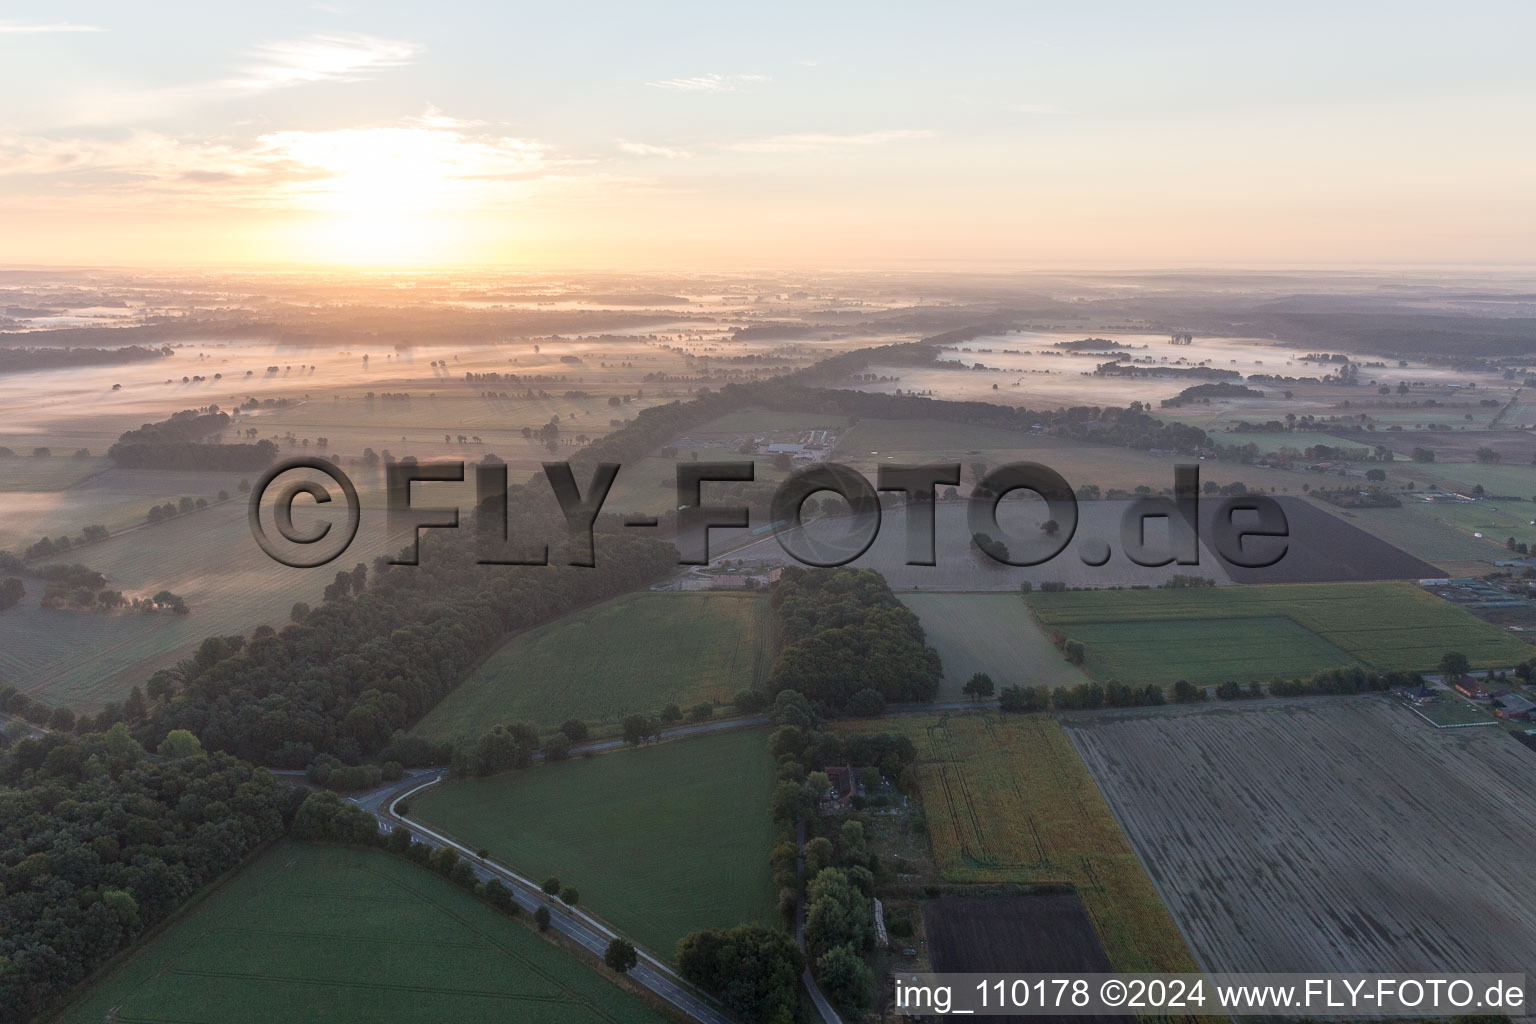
x=667, y=135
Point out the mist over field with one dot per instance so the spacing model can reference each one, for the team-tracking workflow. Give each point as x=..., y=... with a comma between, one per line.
x=570, y=514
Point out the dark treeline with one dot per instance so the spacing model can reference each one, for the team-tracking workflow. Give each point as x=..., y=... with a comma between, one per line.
x=1343, y=681
x=845, y=633
x=1117, y=369
x=100, y=842
x=840, y=870
x=13, y=360
x=373, y=659
x=179, y=443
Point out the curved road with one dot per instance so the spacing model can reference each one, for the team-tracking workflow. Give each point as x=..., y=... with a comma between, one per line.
x=571, y=922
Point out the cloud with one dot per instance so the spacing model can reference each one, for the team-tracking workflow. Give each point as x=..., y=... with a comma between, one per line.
x=1031, y=108
x=647, y=149
x=410, y=164
x=711, y=82
x=320, y=58
x=17, y=28
x=812, y=141
x=274, y=65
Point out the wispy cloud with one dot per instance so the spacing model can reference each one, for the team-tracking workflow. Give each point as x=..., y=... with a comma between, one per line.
x=812, y=141
x=320, y=58
x=1031, y=108
x=19, y=28
x=711, y=82
x=647, y=149
x=418, y=163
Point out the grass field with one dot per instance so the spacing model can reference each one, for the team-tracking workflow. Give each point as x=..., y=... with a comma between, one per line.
x=1496, y=520
x=336, y=936
x=1415, y=529
x=991, y=633
x=1496, y=479
x=1339, y=834
x=1008, y=800
x=660, y=841
x=1254, y=633
x=632, y=654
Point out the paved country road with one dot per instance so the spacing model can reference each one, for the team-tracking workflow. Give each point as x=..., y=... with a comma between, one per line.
x=571, y=922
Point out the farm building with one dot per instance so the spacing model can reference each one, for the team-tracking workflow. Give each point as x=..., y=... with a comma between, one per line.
x=1471, y=688
x=845, y=786
x=1513, y=705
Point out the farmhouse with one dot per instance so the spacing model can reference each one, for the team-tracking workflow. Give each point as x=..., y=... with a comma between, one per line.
x=845, y=786
x=1418, y=694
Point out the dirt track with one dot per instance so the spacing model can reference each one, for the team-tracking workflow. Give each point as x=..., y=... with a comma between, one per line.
x=1339, y=836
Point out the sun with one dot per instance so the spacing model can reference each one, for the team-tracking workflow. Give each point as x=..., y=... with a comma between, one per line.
x=398, y=195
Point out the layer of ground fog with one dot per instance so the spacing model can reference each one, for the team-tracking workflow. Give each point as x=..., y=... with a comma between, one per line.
x=324, y=935
x=659, y=841
x=1335, y=834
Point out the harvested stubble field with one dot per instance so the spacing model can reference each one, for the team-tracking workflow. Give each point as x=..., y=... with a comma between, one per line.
x=1253, y=633
x=335, y=936
x=1008, y=800
x=1337, y=834
x=660, y=841
x=633, y=654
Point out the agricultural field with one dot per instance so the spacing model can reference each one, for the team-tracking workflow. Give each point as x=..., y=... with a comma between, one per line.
x=1513, y=448
x=1321, y=548
x=872, y=442
x=961, y=566
x=1496, y=519
x=1253, y=633
x=83, y=659
x=1510, y=478
x=1008, y=800
x=32, y=507
x=1012, y=934
x=660, y=840
x=1416, y=530
x=650, y=484
x=1337, y=834
x=991, y=633
x=343, y=936
x=633, y=654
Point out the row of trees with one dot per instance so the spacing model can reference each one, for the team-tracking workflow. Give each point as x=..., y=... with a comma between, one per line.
x=48, y=547
x=1025, y=699
x=1113, y=694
